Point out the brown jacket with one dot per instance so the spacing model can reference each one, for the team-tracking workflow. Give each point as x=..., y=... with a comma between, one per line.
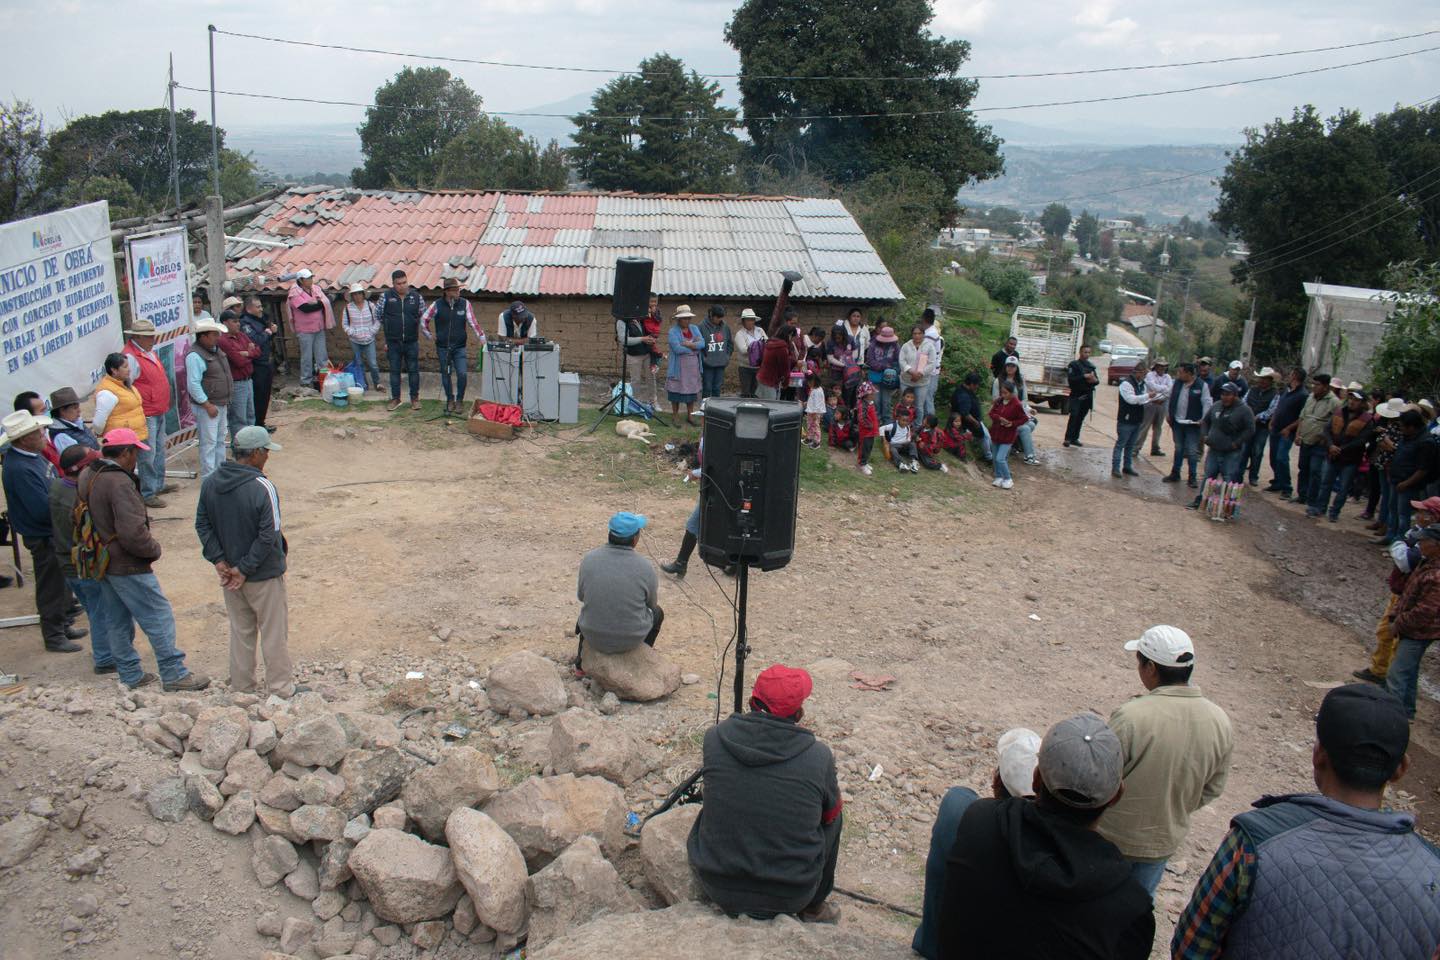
x=120, y=518
x=1417, y=613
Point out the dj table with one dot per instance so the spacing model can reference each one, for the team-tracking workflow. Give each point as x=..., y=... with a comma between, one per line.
x=527, y=374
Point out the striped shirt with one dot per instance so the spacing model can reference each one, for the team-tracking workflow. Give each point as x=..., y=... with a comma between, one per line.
x=361, y=323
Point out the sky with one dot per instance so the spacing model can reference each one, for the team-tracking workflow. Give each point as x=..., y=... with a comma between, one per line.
x=71, y=57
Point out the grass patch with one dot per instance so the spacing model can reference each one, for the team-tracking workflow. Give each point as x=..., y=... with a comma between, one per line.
x=968, y=306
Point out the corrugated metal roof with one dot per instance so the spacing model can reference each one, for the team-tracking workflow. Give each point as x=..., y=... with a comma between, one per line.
x=534, y=244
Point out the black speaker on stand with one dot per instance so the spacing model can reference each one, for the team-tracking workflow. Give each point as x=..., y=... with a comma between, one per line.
x=629, y=300
x=749, y=486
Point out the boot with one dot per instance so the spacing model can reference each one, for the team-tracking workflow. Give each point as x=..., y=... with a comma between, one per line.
x=682, y=560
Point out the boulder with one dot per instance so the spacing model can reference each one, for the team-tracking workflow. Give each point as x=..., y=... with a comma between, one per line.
x=238, y=813
x=372, y=778
x=190, y=766
x=281, y=792
x=464, y=777
x=528, y=681
x=273, y=858
x=168, y=800
x=157, y=734
x=320, y=787
x=665, y=857
x=208, y=717
x=295, y=934
x=335, y=864
x=247, y=770
x=491, y=868
x=303, y=881
x=19, y=837
x=317, y=740
x=547, y=814
x=640, y=674
x=205, y=798
x=263, y=737
x=428, y=935
x=318, y=822
x=225, y=737
x=369, y=731
x=578, y=886
x=405, y=879
x=276, y=821
x=391, y=817
x=328, y=905
x=583, y=743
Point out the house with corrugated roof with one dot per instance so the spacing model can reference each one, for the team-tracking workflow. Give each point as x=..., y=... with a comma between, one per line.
x=557, y=253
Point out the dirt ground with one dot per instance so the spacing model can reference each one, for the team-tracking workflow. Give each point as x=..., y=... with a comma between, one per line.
x=992, y=609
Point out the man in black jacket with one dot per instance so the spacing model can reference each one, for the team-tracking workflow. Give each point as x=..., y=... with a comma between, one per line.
x=1033, y=880
x=997, y=362
x=238, y=521
x=400, y=309
x=768, y=837
x=261, y=330
x=1081, y=377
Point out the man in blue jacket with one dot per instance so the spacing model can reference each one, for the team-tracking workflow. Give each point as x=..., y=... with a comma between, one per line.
x=400, y=309
x=238, y=521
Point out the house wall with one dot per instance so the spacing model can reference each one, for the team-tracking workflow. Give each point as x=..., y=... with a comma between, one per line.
x=1341, y=336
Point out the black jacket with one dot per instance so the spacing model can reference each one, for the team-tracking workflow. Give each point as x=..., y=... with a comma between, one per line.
x=1075, y=376
x=1025, y=884
x=770, y=789
x=238, y=520
x=257, y=329
x=400, y=316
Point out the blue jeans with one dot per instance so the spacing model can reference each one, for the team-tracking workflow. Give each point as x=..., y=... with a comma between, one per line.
x=1404, y=673
x=1397, y=521
x=452, y=358
x=1125, y=434
x=92, y=599
x=1280, y=461
x=241, y=410
x=151, y=465
x=1027, y=439
x=132, y=599
x=1187, y=448
x=211, y=431
x=925, y=398
x=942, y=839
x=1148, y=875
x=1227, y=466
x=365, y=356
x=986, y=447
x=884, y=400
x=1327, y=497
x=399, y=354
x=1256, y=455
x=1312, y=467
x=1002, y=458
x=712, y=381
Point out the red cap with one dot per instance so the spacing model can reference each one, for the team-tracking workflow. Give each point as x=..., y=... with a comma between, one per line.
x=782, y=690
x=1432, y=504
x=122, y=437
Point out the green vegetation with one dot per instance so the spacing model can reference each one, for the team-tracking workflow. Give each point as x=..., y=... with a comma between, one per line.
x=1408, y=360
x=490, y=154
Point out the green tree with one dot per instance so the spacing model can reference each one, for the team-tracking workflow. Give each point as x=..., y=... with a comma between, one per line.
x=1409, y=143
x=1007, y=283
x=1094, y=294
x=1055, y=220
x=124, y=201
x=1408, y=360
x=1087, y=234
x=134, y=146
x=22, y=142
x=866, y=41
x=239, y=175
x=894, y=208
x=1297, y=193
x=661, y=130
x=416, y=113
x=490, y=154
x=1000, y=219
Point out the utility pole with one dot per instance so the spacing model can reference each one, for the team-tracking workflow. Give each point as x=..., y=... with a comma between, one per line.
x=1155, y=320
x=215, y=251
x=174, y=151
x=214, y=130
x=1185, y=310
x=1248, y=338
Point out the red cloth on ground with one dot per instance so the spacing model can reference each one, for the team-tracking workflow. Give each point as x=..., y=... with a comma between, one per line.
x=501, y=413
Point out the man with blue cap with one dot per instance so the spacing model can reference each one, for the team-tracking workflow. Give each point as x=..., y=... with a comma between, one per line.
x=619, y=593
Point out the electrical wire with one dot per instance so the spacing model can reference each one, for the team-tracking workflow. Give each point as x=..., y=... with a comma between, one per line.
x=929, y=78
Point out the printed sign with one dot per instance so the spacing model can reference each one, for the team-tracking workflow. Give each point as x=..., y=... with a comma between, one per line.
x=160, y=292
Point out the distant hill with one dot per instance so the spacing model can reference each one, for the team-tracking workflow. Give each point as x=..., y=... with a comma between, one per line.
x=293, y=151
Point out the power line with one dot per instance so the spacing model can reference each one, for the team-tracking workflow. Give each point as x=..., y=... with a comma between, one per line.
x=750, y=76
x=836, y=116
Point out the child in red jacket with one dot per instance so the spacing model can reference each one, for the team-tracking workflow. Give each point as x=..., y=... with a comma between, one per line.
x=955, y=437
x=842, y=430
x=867, y=425
x=927, y=444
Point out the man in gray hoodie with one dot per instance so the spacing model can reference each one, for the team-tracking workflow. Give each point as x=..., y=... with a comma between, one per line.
x=1226, y=429
x=238, y=521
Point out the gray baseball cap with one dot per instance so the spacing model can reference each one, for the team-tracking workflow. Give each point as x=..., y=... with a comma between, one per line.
x=1081, y=762
x=253, y=438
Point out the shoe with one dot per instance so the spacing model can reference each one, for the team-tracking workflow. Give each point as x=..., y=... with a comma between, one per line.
x=1286, y=496
x=1334, y=519
x=393, y=405
x=415, y=404
x=154, y=503
x=1076, y=443
x=108, y=668
x=73, y=632
x=1270, y=488
x=168, y=488
x=827, y=912
x=1382, y=541
x=914, y=466
x=1065, y=444
x=1192, y=484
x=1368, y=677
x=1377, y=525
x=1312, y=514
x=62, y=646
x=1033, y=461
x=1157, y=453
x=865, y=469
x=145, y=680
x=1367, y=515
x=944, y=469
x=1007, y=484
x=1130, y=473
x=1193, y=504
x=1170, y=478
x=996, y=482
x=675, y=568
x=1114, y=472
x=270, y=429
x=191, y=681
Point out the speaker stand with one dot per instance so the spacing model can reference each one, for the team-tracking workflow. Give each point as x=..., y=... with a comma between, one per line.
x=742, y=649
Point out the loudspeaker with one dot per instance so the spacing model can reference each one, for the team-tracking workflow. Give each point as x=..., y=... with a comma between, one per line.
x=749, y=482
x=631, y=297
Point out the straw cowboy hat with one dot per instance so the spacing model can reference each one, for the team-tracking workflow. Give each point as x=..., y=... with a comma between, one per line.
x=22, y=423
x=142, y=328
x=683, y=312
x=1266, y=372
x=209, y=326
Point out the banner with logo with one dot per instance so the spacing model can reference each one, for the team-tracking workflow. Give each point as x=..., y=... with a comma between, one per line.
x=59, y=306
x=157, y=265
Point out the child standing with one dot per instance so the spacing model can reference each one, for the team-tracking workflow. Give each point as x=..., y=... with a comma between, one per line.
x=814, y=410
x=1006, y=418
x=867, y=426
x=842, y=430
x=954, y=437
x=905, y=405
x=927, y=442
x=902, y=443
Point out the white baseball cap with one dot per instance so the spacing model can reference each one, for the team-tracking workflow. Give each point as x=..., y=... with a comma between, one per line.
x=1236, y=365
x=1019, y=751
x=1168, y=646
x=303, y=274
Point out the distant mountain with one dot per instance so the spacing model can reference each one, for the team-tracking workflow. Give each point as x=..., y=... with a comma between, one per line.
x=299, y=150
x=1106, y=136
x=545, y=129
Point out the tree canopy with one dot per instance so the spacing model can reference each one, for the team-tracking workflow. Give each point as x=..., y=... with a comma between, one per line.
x=1055, y=220
x=659, y=131
x=416, y=113
x=492, y=155
x=132, y=146
x=1087, y=234
x=866, y=41
x=22, y=143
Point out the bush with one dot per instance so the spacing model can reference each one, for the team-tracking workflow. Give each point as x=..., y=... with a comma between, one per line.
x=1408, y=360
x=965, y=352
x=1007, y=283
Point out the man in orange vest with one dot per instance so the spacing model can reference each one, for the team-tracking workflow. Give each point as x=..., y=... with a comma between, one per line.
x=150, y=381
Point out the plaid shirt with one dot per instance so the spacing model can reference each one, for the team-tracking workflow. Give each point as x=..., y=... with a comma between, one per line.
x=1220, y=897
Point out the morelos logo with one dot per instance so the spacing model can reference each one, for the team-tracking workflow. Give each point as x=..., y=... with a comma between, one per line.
x=45, y=241
x=151, y=268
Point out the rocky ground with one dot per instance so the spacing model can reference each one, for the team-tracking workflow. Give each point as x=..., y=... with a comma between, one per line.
x=419, y=550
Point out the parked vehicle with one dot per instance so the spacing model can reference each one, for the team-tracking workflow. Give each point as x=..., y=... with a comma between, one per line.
x=1121, y=367
x=1103, y=346
x=1047, y=340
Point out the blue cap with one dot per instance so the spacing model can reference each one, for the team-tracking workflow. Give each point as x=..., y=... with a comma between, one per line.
x=626, y=525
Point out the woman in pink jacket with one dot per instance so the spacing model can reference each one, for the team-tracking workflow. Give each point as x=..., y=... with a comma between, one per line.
x=310, y=316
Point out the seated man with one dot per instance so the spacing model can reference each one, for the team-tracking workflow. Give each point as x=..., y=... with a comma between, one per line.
x=1018, y=751
x=618, y=591
x=768, y=836
x=1034, y=880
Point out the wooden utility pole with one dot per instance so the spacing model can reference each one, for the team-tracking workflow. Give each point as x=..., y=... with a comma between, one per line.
x=215, y=249
x=174, y=149
x=1155, y=320
x=1248, y=338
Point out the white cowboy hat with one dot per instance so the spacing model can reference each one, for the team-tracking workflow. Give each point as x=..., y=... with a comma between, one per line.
x=748, y=314
x=22, y=423
x=683, y=312
x=1390, y=409
x=357, y=288
x=1266, y=372
x=209, y=326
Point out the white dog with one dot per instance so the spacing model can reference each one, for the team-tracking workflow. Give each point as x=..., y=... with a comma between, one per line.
x=634, y=430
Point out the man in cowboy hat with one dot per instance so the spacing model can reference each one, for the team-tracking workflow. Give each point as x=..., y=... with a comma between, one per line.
x=444, y=322
x=1158, y=384
x=1261, y=398
x=68, y=426
x=26, y=479
x=208, y=380
x=150, y=379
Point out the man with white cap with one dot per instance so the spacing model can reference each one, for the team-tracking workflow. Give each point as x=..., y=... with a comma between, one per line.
x=26, y=479
x=1158, y=384
x=1033, y=879
x=619, y=593
x=310, y=317
x=1233, y=374
x=210, y=385
x=1261, y=398
x=1177, y=754
x=1017, y=752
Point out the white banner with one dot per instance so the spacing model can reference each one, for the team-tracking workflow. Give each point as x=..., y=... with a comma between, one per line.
x=59, y=307
x=159, y=286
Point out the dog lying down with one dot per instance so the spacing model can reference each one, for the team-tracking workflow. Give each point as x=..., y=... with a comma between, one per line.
x=634, y=430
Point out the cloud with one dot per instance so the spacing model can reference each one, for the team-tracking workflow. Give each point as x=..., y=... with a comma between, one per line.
x=969, y=16
x=1103, y=30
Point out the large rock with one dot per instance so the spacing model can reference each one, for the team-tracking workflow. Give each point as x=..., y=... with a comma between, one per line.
x=369, y=731
x=20, y=837
x=168, y=800
x=490, y=866
x=200, y=732
x=664, y=854
x=224, y=738
x=464, y=777
x=547, y=814
x=280, y=792
x=318, y=822
x=314, y=741
x=405, y=879
x=238, y=813
x=247, y=770
x=661, y=934
x=335, y=864
x=273, y=858
x=578, y=886
x=372, y=778
x=528, y=681
x=583, y=743
x=639, y=674
x=205, y=798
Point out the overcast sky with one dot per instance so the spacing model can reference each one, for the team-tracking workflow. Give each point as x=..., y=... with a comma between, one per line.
x=70, y=57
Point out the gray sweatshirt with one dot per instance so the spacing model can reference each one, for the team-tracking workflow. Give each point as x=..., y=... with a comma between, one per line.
x=618, y=591
x=1227, y=428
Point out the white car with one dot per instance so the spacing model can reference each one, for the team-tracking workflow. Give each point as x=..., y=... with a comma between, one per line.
x=1104, y=346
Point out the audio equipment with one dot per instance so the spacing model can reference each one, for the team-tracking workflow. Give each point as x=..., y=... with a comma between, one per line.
x=631, y=297
x=749, y=482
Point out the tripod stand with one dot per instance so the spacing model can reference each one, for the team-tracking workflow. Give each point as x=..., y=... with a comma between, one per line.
x=615, y=405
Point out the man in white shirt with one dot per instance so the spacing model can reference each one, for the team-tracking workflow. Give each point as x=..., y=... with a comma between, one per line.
x=1158, y=383
x=1135, y=400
